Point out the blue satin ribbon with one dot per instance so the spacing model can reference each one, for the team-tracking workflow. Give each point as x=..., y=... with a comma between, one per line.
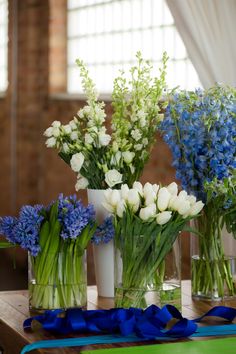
x=126, y=325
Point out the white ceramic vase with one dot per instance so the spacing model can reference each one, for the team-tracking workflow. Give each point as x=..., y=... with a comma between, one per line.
x=103, y=253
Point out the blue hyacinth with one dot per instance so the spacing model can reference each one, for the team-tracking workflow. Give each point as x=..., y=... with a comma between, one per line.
x=104, y=232
x=25, y=230
x=200, y=129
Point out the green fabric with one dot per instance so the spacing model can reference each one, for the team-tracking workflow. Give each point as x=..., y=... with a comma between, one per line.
x=212, y=346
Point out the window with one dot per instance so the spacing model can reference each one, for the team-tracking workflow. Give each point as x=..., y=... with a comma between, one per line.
x=3, y=44
x=106, y=34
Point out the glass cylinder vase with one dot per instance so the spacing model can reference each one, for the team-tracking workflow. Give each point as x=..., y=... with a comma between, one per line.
x=213, y=261
x=140, y=286
x=57, y=281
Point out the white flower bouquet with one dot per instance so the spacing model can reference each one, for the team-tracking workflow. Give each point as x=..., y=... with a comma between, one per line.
x=147, y=220
x=103, y=160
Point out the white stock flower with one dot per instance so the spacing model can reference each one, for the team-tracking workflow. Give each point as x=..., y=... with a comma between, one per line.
x=48, y=132
x=104, y=139
x=56, y=132
x=138, y=186
x=51, y=142
x=148, y=212
x=196, y=208
x=77, y=161
x=56, y=124
x=74, y=135
x=65, y=148
x=81, y=183
x=72, y=124
x=128, y=156
x=173, y=188
x=124, y=191
x=163, y=217
x=136, y=134
x=138, y=147
x=88, y=139
x=67, y=128
x=113, y=177
x=163, y=198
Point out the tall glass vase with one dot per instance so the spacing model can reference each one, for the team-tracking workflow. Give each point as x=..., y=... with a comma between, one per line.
x=60, y=284
x=213, y=264
x=142, y=286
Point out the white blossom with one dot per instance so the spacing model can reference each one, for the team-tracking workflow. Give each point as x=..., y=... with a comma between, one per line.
x=74, y=135
x=56, y=124
x=67, y=128
x=196, y=208
x=184, y=207
x=139, y=187
x=65, y=148
x=173, y=188
x=128, y=156
x=133, y=199
x=163, y=217
x=124, y=191
x=51, y=142
x=145, y=141
x=120, y=208
x=163, y=198
x=147, y=212
x=138, y=147
x=104, y=139
x=56, y=132
x=72, y=124
x=136, y=134
x=113, y=177
x=81, y=183
x=88, y=139
x=48, y=132
x=77, y=161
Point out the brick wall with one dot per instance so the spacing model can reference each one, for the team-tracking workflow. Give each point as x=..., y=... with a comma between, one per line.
x=30, y=173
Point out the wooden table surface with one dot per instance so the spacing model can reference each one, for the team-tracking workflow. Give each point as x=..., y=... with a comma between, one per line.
x=14, y=310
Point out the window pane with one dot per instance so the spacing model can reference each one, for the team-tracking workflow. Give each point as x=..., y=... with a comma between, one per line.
x=107, y=34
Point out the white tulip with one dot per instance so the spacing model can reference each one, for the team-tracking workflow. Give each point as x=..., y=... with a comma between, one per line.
x=48, y=132
x=148, y=212
x=163, y=217
x=155, y=187
x=196, y=208
x=108, y=207
x=67, y=128
x=56, y=124
x=147, y=188
x=132, y=197
x=120, y=208
x=51, y=142
x=150, y=197
x=56, y=132
x=114, y=197
x=77, y=161
x=104, y=139
x=172, y=201
x=183, y=194
x=138, y=186
x=163, y=198
x=173, y=188
x=124, y=191
x=176, y=202
x=184, y=207
x=128, y=156
x=81, y=183
x=113, y=177
x=192, y=199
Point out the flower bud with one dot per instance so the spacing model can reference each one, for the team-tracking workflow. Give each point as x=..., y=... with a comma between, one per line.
x=163, y=217
x=163, y=198
x=173, y=188
x=138, y=186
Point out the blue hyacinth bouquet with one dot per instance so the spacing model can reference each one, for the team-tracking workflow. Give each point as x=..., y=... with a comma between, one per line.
x=56, y=237
x=200, y=129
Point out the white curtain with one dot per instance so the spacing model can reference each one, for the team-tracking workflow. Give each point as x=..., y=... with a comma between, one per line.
x=208, y=29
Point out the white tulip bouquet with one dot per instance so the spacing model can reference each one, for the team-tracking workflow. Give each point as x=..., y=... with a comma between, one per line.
x=103, y=160
x=147, y=220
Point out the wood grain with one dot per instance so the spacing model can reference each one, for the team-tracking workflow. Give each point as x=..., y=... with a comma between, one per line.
x=14, y=310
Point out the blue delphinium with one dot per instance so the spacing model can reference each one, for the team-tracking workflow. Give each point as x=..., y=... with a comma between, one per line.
x=200, y=129
x=104, y=233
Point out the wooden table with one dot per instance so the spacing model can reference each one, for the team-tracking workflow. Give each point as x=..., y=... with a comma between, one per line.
x=14, y=310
